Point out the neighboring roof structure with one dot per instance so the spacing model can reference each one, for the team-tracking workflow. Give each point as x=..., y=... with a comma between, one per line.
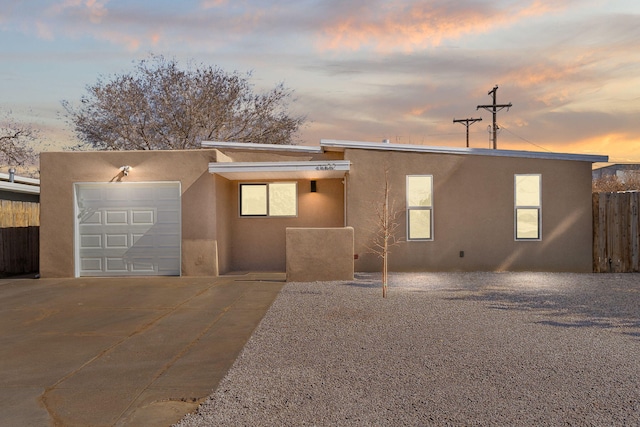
x=617, y=169
x=337, y=145
x=19, y=184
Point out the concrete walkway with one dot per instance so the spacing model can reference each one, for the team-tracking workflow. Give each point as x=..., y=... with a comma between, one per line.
x=124, y=351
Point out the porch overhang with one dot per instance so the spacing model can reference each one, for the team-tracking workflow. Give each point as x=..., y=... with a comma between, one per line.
x=281, y=170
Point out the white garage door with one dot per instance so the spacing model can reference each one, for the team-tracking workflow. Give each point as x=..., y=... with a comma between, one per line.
x=128, y=229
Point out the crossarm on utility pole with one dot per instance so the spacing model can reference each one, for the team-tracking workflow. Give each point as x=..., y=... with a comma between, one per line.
x=494, y=108
x=467, y=123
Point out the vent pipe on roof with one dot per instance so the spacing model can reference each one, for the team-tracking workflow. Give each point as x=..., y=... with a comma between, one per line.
x=385, y=141
x=12, y=174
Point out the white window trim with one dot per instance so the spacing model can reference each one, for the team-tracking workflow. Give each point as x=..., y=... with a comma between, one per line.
x=267, y=184
x=410, y=208
x=516, y=207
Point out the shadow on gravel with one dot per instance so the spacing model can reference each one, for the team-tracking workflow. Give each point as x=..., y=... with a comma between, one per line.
x=566, y=300
x=365, y=280
x=368, y=285
x=576, y=307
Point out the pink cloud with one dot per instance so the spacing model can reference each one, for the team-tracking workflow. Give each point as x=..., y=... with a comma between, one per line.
x=94, y=10
x=43, y=31
x=405, y=25
x=620, y=147
x=211, y=4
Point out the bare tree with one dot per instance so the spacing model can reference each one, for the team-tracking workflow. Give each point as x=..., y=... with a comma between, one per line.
x=16, y=140
x=385, y=225
x=161, y=106
x=629, y=181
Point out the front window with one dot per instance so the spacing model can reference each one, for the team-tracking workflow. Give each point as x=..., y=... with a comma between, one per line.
x=274, y=199
x=420, y=207
x=528, y=207
x=283, y=199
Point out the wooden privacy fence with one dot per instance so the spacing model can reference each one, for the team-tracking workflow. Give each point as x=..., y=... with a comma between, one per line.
x=616, y=232
x=19, y=237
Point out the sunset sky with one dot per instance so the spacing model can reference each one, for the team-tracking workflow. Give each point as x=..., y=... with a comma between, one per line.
x=361, y=70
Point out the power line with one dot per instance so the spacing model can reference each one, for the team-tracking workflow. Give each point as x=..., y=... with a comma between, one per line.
x=525, y=140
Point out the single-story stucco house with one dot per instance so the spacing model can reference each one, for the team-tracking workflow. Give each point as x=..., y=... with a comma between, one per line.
x=239, y=207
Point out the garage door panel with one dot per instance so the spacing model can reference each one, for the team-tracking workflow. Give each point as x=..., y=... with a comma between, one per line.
x=116, y=265
x=142, y=194
x=168, y=264
x=146, y=265
x=119, y=192
x=167, y=240
x=92, y=265
x=91, y=218
x=92, y=194
x=169, y=217
x=117, y=241
x=143, y=217
x=167, y=193
x=91, y=241
x=138, y=240
x=128, y=228
x=116, y=217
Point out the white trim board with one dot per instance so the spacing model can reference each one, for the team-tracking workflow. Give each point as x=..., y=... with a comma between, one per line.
x=262, y=147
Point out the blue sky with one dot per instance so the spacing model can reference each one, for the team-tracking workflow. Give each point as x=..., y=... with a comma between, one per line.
x=361, y=70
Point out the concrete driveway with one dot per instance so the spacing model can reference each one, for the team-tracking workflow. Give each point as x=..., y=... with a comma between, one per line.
x=123, y=351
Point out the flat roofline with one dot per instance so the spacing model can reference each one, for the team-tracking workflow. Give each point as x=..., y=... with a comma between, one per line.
x=261, y=147
x=336, y=145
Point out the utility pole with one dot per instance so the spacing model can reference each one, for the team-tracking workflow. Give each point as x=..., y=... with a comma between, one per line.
x=494, y=108
x=467, y=123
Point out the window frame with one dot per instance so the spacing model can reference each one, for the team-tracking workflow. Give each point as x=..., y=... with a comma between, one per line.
x=411, y=208
x=517, y=208
x=268, y=213
x=240, y=199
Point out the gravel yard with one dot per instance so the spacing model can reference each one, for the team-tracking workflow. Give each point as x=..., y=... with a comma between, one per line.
x=502, y=349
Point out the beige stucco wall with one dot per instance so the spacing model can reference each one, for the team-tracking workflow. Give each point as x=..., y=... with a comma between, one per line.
x=319, y=254
x=258, y=244
x=59, y=171
x=474, y=212
x=223, y=213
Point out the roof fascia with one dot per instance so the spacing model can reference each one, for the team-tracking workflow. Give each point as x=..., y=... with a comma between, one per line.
x=335, y=145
